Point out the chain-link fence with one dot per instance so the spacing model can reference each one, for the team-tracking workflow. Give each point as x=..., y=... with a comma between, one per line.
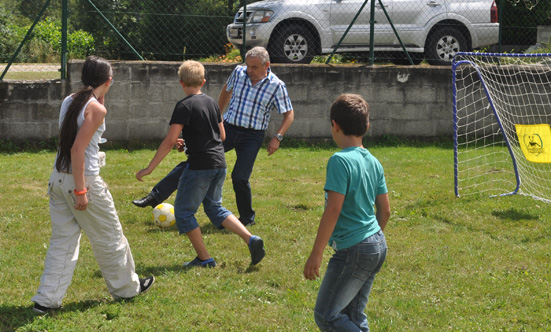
x=294, y=31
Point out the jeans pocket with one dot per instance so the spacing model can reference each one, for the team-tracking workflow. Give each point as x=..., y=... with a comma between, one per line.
x=365, y=265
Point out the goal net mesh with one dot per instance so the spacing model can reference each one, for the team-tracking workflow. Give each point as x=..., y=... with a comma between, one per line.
x=502, y=112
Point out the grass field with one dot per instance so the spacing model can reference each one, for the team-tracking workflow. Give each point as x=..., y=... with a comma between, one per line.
x=476, y=264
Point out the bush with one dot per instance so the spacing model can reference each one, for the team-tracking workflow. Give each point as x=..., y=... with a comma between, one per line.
x=44, y=46
x=11, y=36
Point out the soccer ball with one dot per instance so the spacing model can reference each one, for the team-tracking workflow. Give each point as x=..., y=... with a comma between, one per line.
x=163, y=215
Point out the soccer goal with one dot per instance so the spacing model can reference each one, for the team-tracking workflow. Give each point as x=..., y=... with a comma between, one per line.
x=501, y=114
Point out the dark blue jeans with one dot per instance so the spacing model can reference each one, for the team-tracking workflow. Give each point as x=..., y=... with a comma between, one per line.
x=169, y=183
x=247, y=143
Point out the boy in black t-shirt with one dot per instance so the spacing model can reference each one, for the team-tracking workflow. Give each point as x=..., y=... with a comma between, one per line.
x=198, y=118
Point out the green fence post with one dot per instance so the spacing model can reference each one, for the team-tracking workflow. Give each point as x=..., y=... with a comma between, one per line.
x=25, y=39
x=244, y=47
x=396, y=32
x=499, y=18
x=372, y=34
x=64, y=15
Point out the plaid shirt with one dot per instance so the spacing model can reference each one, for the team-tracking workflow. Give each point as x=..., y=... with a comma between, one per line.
x=250, y=106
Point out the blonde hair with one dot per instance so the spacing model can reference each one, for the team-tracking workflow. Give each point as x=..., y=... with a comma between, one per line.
x=192, y=73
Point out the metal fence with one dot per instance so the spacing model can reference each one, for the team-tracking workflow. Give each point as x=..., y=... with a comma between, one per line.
x=294, y=31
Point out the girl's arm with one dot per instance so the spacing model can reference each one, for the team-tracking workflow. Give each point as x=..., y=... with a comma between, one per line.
x=94, y=116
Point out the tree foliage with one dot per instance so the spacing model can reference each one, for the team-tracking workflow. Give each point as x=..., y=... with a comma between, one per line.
x=519, y=20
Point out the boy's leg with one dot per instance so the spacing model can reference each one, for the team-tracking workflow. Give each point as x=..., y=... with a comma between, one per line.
x=220, y=216
x=344, y=292
x=163, y=189
x=101, y=224
x=196, y=239
x=62, y=254
x=192, y=189
x=233, y=224
x=255, y=243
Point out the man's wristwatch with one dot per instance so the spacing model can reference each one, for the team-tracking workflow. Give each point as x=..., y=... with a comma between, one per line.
x=279, y=137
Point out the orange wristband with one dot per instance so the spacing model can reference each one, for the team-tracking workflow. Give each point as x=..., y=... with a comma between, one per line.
x=78, y=193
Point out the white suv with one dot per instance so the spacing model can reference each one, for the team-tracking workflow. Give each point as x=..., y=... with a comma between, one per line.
x=294, y=31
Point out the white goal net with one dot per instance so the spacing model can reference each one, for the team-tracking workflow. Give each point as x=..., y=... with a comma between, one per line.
x=502, y=112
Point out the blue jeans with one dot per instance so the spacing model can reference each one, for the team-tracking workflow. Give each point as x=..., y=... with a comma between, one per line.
x=247, y=143
x=345, y=289
x=196, y=187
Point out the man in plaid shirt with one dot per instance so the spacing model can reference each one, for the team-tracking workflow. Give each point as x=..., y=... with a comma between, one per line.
x=252, y=92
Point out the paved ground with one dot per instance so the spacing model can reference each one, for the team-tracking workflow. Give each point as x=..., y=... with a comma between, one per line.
x=34, y=67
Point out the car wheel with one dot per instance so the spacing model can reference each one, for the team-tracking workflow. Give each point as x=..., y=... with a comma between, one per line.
x=443, y=45
x=292, y=44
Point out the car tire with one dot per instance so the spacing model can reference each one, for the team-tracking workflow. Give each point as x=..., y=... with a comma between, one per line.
x=443, y=44
x=292, y=44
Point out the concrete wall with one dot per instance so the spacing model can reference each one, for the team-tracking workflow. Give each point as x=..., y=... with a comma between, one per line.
x=405, y=101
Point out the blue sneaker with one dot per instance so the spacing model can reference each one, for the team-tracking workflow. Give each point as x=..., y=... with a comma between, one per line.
x=256, y=247
x=197, y=262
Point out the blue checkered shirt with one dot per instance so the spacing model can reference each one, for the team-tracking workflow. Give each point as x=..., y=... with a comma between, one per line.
x=250, y=106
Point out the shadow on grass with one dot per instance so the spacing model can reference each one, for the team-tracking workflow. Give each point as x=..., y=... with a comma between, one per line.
x=13, y=317
x=514, y=215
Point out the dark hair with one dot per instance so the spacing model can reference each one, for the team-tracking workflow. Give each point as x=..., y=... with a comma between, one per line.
x=95, y=72
x=351, y=113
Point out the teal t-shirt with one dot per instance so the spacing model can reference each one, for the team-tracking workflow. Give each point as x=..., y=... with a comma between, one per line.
x=358, y=175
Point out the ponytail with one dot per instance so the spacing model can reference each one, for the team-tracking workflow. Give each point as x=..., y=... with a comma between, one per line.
x=95, y=72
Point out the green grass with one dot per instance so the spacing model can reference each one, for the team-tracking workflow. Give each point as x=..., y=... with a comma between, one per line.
x=476, y=264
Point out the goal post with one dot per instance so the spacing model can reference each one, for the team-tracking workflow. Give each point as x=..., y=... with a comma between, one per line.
x=501, y=117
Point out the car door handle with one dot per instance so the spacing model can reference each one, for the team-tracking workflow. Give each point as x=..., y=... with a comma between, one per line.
x=433, y=3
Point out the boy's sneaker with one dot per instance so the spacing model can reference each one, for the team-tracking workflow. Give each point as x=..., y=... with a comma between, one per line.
x=256, y=247
x=197, y=262
x=146, y=283
x=42, y=310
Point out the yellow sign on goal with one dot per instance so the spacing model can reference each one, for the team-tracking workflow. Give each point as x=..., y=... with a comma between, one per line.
x=535, y=142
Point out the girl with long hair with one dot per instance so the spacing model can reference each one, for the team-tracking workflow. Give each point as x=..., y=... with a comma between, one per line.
x=79, y=199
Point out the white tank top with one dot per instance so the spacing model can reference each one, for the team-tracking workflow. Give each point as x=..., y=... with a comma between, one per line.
x=91, y=158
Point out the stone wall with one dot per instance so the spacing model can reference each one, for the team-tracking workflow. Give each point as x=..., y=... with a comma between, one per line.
x=405, y=101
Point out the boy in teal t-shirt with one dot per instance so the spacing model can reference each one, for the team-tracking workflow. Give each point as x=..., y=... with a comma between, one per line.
x=356, y=213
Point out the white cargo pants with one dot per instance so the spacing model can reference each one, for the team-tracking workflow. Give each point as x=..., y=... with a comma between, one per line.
x=103, y=229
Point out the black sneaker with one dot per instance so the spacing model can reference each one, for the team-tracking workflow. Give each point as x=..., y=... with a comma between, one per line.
x=197, y=262
x=146, y=283
x=42, y=310
x=247, y=222
x=148, y=200
x=256, y=247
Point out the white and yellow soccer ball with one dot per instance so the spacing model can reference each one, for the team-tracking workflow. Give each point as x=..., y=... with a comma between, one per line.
x=163, y=215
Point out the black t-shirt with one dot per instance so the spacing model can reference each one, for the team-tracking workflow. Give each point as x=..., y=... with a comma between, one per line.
x=200, y=116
